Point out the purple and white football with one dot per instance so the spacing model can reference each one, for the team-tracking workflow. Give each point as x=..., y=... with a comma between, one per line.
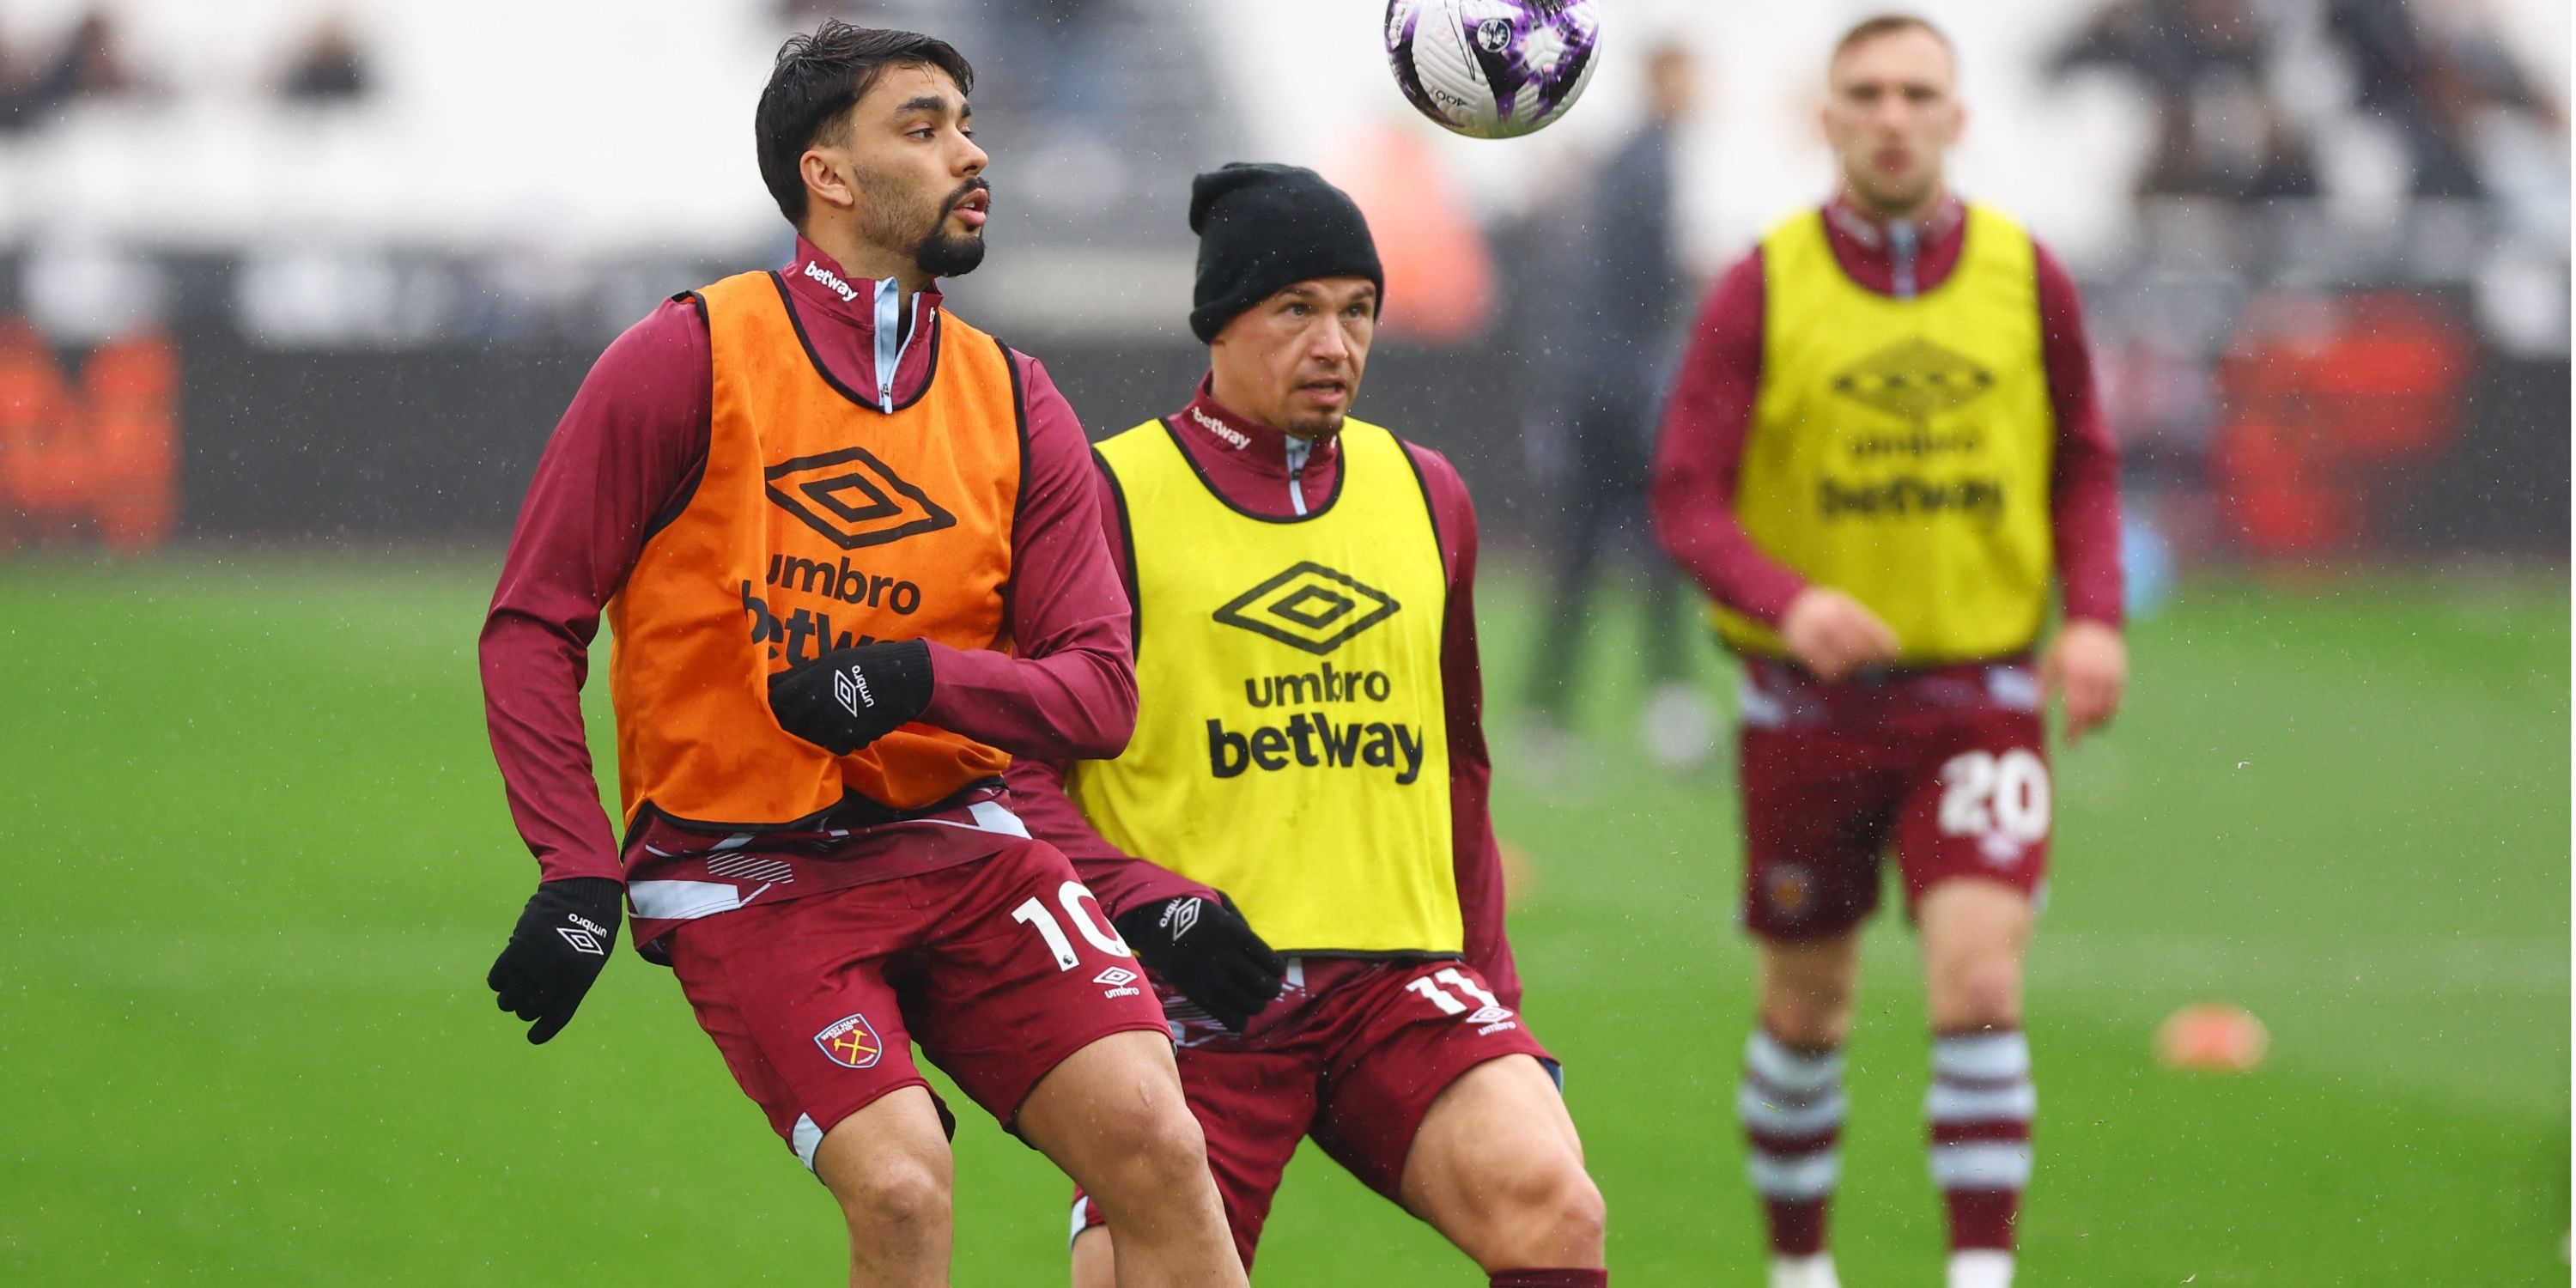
x=1493, y=69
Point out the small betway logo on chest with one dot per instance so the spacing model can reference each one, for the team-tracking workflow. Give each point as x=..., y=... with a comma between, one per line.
x=1309, y=607
x=853, y=498
x=831, y=281
x=1229, y=433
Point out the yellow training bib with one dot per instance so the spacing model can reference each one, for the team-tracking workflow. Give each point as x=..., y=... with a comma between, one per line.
x=1901, y=450
x=1292, y=743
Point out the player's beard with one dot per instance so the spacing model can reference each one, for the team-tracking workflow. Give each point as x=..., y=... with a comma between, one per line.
x=1320, y=424
x=946, y=254
x=1315, y=426
x=936, y=251
x=1889, y=198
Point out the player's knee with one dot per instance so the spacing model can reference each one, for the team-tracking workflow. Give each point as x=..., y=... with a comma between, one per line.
x=1549, y=1211
x=1816, y=1016
x=1576, y=1211
x=1164, y=1150
x=894, y=1200
x=1987, y=994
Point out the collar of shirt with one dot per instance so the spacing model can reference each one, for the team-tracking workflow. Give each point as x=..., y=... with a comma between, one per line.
x=858, y=332
x=1893, y=257
x=1248, y=462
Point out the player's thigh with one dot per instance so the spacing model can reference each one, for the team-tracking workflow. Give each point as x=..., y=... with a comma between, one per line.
x=795, y=997
x=1107, y=1107
x=1022, y=971
x=1253, y=1105
x=1497, y=1137
x=1818, y=808
x=1405, y=1035
x=1980, y=807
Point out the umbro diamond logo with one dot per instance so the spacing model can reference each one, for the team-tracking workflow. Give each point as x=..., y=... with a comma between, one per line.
x=1115, y=976
x=1309, y=607
x=1180, y=916
x=584, y=935
x=851, y=687
x=853, y=498
x=1914, y=379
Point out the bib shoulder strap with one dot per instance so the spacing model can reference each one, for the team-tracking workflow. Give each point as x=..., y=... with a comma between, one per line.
x=734, y=297
x=1134, y=449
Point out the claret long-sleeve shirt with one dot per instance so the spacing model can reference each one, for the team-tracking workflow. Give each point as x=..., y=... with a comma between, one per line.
x=1710, y=414
x=1266, y=472
x=628, y=453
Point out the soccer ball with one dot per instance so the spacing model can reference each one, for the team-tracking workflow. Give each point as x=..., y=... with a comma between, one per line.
x=1493, y=69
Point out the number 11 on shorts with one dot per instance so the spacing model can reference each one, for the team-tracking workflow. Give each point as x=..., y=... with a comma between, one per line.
x=1034, y=913
x=1441, y=997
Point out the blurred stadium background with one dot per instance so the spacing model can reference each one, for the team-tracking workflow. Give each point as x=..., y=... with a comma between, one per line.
x=291, y=293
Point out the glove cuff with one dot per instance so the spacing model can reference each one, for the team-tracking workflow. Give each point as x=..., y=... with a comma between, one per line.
x=906, y=666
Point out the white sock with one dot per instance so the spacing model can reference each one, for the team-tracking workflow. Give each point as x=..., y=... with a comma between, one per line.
x=1981, y=1268
x=1804, y=1272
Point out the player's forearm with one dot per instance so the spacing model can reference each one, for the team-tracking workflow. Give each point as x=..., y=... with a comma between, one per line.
x=2085, y=520
x=1068, y=689
x=1697, y=527
x=532, y=676
x=1121, y=881
x=2084, y=496
x=1700, y=450
x=1076, y=703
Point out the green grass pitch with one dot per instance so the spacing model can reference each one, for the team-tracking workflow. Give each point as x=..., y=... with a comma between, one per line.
x=259, y=862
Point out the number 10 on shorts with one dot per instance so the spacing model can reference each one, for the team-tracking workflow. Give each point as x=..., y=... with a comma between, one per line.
x=1072, y=897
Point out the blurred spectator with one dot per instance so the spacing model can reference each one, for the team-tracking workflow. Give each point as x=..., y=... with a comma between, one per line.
x=330, y=68
x=2433, y=81
x=91, y=64
x=2219, y=133
x=1628, y=292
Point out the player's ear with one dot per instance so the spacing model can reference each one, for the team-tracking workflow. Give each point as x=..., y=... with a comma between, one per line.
x=827, y=180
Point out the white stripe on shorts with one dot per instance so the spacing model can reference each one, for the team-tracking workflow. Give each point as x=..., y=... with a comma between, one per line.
x=807, y=1138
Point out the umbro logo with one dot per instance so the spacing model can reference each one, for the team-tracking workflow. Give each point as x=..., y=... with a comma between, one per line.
x=853, y=498
x=851, y=687
x=1914, y=379
x=585, y=935
x=1309, y=607
x=1118, y=981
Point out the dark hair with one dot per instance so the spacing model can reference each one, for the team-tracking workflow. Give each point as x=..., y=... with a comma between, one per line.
x=816, y=80
x=1887, y=24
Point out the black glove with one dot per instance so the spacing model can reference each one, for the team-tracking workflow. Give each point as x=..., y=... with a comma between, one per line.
x=851, y=697
x=1206, y=949
x=561, y=942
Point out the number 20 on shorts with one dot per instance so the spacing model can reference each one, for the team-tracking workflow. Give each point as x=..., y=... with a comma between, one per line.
x=1983, y=793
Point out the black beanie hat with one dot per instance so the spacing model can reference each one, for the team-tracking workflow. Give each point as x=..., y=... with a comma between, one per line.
x=1262, y=227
